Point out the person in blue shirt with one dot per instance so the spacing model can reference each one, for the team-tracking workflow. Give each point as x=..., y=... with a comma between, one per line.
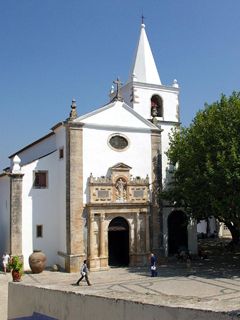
x=153, y=265
x=84, y=274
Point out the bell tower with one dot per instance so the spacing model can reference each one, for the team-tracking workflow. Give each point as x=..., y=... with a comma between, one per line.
x=146, y=94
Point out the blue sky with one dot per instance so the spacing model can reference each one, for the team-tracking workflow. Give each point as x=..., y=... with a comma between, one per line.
x=54, y=50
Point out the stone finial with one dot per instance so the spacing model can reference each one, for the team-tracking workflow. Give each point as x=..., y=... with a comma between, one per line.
x=73, y=113
x=16, y=164
x=91, y=178
x=175, y=83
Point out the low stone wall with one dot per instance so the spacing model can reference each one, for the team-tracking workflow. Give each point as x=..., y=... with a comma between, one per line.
x=24, y=300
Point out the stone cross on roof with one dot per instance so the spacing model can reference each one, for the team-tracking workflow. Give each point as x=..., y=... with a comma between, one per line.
x=118, y=93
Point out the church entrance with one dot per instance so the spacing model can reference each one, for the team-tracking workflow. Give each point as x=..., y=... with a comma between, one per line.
x=177, y=232
x=118, y=242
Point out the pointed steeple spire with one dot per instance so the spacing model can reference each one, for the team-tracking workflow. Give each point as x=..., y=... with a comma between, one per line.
x=144, y=67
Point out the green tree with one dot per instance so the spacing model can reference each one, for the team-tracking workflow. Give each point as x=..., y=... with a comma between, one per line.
x=206, y=160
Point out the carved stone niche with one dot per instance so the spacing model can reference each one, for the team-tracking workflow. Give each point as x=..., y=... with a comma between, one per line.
x=120, y=187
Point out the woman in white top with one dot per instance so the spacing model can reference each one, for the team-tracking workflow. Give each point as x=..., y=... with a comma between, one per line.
x=5, y=260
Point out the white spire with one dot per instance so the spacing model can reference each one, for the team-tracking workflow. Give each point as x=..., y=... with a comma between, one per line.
x=144, y=67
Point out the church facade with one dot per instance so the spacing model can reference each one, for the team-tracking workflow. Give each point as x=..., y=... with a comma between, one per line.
x=90, y=188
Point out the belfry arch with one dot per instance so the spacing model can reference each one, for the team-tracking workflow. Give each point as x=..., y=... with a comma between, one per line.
x=156, y=106
x=118, y=242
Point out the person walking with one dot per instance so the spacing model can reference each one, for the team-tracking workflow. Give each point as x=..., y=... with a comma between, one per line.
x=5, y=260
x=84, y=274
x=153, y=265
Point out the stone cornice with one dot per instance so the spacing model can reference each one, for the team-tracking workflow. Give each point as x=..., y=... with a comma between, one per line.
x=156, y=131
x=15, y=175
x=118, y=205
x=162, y=122
x=118, y=128
x=74, y=125
x=150, y=86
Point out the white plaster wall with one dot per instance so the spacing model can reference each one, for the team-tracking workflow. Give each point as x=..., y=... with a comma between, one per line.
x=4, y=215
x=116, y=115
x=44, y=207
x=38, y=150
x=98, y=157
x=165, y=146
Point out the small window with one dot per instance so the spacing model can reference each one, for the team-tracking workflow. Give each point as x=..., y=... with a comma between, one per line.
x=40, y=179
x=39, y=231
x=61, y=153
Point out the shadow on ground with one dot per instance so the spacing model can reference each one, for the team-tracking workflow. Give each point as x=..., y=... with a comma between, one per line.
x=221, y=261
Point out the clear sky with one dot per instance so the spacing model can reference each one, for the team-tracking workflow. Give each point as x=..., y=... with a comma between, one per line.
x=54, y=50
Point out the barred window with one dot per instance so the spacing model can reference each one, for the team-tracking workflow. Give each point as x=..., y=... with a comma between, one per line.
x=40, y=179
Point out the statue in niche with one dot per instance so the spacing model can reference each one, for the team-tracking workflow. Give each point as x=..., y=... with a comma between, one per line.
x=121, y=189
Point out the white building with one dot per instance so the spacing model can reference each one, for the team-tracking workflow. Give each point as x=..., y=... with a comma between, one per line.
x=90, y=187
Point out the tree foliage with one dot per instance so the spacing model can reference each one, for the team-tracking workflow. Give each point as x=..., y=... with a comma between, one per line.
x=206, y=158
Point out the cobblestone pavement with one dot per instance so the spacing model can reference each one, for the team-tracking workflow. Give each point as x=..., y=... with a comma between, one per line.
x=175, y=285
x=211, y=284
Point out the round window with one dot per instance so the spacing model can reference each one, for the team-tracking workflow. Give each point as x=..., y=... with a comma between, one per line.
x=118, y=142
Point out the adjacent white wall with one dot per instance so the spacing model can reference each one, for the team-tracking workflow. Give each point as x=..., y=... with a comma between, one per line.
x=45, y=207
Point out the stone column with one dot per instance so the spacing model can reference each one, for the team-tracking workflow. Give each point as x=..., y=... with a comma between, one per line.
x=155, y=223
x=147, y=242
x=16, y=213
x=74, y=197
x=91, y=236
x=102, y=236
x=102, y=243
x=137, y=233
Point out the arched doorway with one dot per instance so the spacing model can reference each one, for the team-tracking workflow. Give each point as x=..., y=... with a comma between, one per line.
x=177, y=232
x=118, y=242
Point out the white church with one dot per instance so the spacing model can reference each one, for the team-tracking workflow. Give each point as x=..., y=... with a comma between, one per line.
x=90, y=188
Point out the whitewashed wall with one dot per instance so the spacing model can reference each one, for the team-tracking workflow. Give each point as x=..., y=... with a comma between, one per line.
x=99, y=157
x=165, y=146
x=45, y=207
x=4, y=214
x=144, y=93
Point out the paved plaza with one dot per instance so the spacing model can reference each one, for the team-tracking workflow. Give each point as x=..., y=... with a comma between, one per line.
x=211, y=284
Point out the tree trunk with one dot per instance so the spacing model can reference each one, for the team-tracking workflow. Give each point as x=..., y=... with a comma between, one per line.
x=235, y=232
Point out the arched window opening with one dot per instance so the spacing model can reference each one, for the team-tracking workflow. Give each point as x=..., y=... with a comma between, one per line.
x=156, y=106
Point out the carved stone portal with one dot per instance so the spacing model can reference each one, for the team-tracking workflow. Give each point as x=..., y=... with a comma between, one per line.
x=118, y=196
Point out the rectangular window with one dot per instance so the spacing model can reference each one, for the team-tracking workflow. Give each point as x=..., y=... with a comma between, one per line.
x=40, y=179
x=39, y=231
x=61, y=153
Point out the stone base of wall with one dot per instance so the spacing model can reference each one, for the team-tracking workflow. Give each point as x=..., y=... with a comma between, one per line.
x=24, y=300
x=72, y=262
